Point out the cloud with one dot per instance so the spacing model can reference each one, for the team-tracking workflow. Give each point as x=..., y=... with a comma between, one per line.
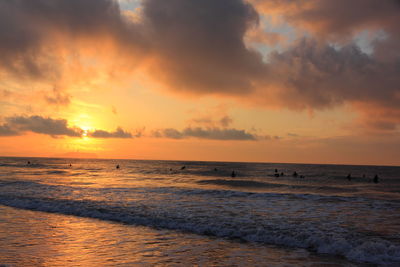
x=18, y=125
x=58, y=98
x=225, y=121
x=198, y=47
x=6, y=130
x=206, y=133
x=41, y=125
x=341, y=20
x=119, y=133
x=210, y=122
x=316, y=76
x=37, y=39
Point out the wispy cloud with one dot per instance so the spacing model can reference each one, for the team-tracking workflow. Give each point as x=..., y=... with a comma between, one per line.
x=58, y=98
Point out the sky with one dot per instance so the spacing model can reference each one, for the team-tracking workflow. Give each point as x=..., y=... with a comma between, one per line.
x=308, y=81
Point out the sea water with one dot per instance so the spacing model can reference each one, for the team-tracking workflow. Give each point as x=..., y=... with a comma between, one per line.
x=58, y=212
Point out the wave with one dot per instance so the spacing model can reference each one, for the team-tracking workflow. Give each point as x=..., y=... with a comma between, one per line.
x=239, y=183
x=258, y=184
x=19, y=165
x=57, y=172
x=356, y=246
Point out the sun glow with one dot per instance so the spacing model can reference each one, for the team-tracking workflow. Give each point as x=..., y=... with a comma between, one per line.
x=86, y=123
x=85, y=133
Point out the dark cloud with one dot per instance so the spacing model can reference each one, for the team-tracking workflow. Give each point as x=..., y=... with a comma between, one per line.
x=42, y=125
x=200, y=44
x=196, y=46
x=119, y=133
x=33, y=33
x=206, y=133
x=18, y=125
x=314, y=75
x=6, y=130
x=169, y=133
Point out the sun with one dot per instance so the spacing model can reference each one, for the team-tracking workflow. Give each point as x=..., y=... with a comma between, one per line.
x=85, y=131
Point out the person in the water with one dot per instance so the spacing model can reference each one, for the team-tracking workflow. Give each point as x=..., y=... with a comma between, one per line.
x=376, y=179
x=117, y=167
x=295, y=174
x=349, y=177
x=233, y=174
x=183, y=167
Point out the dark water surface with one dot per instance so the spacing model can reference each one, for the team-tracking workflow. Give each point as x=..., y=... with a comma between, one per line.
x=155, y=212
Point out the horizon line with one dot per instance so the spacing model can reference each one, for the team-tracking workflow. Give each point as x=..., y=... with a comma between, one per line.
x=180, y=160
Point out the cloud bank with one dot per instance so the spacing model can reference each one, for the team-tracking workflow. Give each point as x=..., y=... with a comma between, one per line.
x=119, y=133
x=18, y=125
x=205, y=133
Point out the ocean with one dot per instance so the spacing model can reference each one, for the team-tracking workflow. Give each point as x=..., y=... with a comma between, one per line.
x=85, y=212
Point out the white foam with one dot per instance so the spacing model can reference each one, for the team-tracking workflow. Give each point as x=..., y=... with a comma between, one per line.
x=319, y=236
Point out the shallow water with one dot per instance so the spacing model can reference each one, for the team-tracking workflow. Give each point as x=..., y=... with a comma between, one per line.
x=205, y=215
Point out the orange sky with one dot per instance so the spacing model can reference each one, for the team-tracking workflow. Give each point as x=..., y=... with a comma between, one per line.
x=229, y=80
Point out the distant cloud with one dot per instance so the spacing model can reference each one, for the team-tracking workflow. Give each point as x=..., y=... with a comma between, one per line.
x=6, y=130
x=18, y=125
x=206, y=133
x=119, y=133
x=41, y=125
x=58, y=98
x=211, y=122
x=225, y=121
